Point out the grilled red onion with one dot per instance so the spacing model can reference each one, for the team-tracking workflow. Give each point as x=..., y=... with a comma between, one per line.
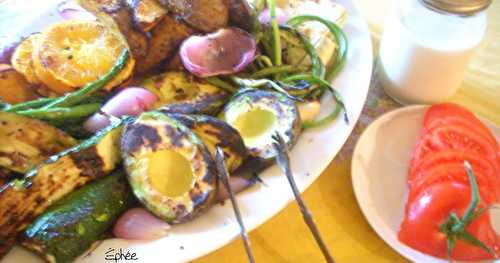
x=72, y=10
x=140, y=224
x=226, y=51
x=130, y=101
x=237, y=184
x=7, y=48
x=265, y=17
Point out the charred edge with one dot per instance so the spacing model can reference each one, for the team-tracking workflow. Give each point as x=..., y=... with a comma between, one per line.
x=110, y=6
x=88, y=162
x=136, y=135
x=175, y=135
x=18, y=159
x=210, y=175
x=197, y=196
x=7, y=175
x=6, y=244
x=240, y=13
x=180, y=211
x=228, y=138
x=202, y=104
x=187, y=120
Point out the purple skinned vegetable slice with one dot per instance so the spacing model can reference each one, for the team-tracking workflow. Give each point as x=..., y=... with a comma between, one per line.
x=265, y=17
x=72, y=10
x=223, y=52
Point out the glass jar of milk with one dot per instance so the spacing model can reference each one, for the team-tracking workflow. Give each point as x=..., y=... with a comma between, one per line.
x=426, y=46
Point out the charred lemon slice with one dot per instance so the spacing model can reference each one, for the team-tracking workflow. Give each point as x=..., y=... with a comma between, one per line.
x=73, y=53
x=22, y=60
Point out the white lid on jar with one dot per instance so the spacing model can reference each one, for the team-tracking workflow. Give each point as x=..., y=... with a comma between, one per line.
x=459, y=7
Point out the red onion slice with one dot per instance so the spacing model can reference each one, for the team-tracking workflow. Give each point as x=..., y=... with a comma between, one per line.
x=7, y=47
x=130, y=101
x=265, y=17
x=237, y=184
x=72, y=10
x=140, y=224
x=226, y=51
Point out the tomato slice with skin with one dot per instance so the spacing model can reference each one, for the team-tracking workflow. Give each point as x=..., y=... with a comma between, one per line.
x=445, y=138
x=457, y=156
x=454, y=171
x=451, y=113
x=427, y=211
x=456, y=137
x=463, y=123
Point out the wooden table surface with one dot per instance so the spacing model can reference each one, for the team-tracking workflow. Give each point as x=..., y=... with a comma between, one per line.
x=285, y=238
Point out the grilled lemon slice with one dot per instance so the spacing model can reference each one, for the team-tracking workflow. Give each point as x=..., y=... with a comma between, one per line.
x=22, y=60
x=73, y=53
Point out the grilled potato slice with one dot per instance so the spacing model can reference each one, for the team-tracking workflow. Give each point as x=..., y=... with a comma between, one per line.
x=180, y=92
x=204, y=15
x=13, y=86
x=54, y=179
x=76, y=52
x=240, y=13
x=22, y=59
x=146, y=13
x=166, y=37
x=26, y=142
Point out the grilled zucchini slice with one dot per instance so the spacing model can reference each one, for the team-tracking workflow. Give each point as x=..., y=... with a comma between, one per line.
x=70, y=226
x=181, y=92
x=26, y=142
x=22, y=201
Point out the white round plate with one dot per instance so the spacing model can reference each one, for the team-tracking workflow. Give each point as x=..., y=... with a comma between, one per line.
x=379, y=172
x=313, y=152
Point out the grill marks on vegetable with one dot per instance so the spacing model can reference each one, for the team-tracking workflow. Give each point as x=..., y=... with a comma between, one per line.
x=139, y=135
x=60, y=175
x=181, y=152
x=26, y=142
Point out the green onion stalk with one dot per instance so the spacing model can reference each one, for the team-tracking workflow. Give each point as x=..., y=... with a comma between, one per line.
x=340, y=39
x=271, y=4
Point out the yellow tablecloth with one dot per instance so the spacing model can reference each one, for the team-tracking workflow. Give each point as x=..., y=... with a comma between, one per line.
x=285, y=238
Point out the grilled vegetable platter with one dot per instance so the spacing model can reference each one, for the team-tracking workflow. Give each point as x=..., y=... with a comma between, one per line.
x=112, y=111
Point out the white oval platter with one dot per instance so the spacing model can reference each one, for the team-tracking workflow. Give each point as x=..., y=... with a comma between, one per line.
x=314, y=151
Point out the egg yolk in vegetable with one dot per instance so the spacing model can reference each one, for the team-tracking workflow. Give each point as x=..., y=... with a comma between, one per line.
x=255, y=124
x=170, y=173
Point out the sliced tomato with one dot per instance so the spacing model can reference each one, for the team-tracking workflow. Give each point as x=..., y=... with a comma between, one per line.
x=455, y=137
x=431, y=208
x=477, y=161
x=444, y=138
x=453, y=171
x=454, y=114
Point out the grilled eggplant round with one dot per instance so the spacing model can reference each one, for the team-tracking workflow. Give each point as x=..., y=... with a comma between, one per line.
x=217, y=133
x=169, y=168
x=258, y=115
x=181, y=92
